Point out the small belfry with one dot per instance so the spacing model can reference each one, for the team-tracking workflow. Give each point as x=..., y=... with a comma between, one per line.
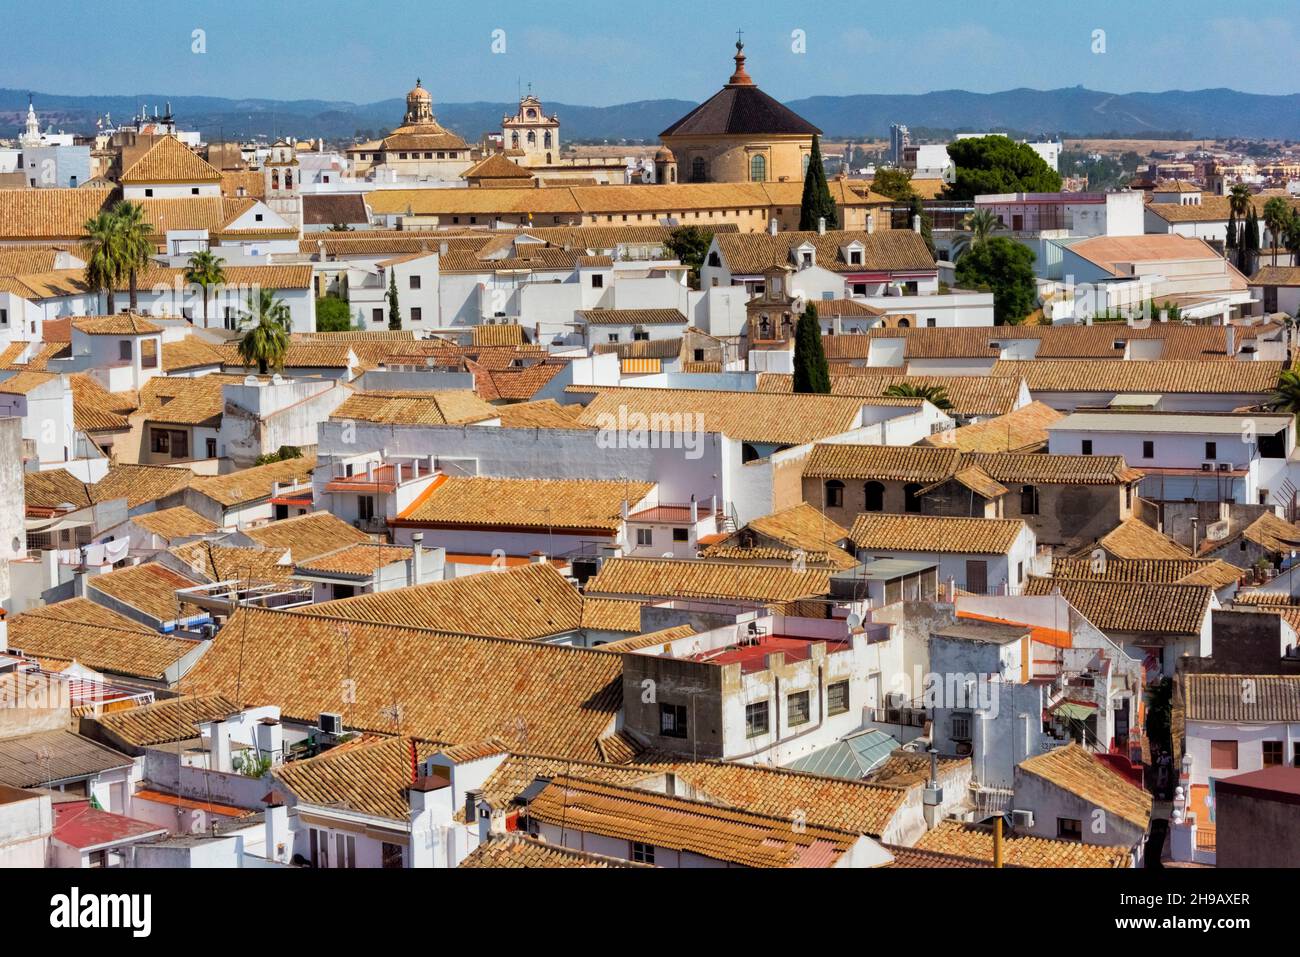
x=530, y=136
x=419, y=106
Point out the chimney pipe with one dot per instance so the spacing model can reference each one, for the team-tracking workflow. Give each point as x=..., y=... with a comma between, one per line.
x=871, y=223
x=471, y=806
x=1232, y=340
x=821, y=225
x=771, y=226
x=916, y=224
x=417, y=557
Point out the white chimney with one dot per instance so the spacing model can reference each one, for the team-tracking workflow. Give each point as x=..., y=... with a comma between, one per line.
x=1232, y=341
x=218, y=746
x=916, y=224
x=771, y=226
x=821, y=225
x=871, y=223
x=268, y=735
x=279, y=842
x=431, y=811
x=538, y=557
x=417, y=557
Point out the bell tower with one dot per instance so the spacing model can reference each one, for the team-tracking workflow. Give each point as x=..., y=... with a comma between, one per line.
x=280, y=177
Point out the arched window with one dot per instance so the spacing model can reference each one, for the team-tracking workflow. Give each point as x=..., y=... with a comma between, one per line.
x=834, y=494
x=873, y=497
x=546, y=140
x=532, y=138
x=903, y=323
x=715, y=259
x=275, y=179
x=672, y=175
x=764, y=328
x=288, y=179
x=758, y=168
x=548, y=158
x=514, y=138
x=699, y=172
x=911, y=500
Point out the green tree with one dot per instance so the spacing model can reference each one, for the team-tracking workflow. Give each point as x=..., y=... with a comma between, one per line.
x=1291, y=235
x=204, y=269
x=811, y=373
x=135, y=236
x=998, y=164
x=1248, y=250
x=918, y=210
x=1230, y=240
x=265, y=327
x=982, y=223
x=332, y=315
x=102, y=253
x=1006, y=269
x=282, y=454
x=894, y=183
x=1286, y=395
x=690, y=244
x=1277, y=213
x=936, y=395
x=816, y=203
x=394, y=309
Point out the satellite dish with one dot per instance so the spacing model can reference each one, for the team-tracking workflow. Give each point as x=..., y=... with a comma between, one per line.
x=854, y=621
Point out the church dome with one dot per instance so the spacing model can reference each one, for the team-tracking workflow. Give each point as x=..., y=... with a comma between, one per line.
x=419, y=93
x=419, y=106
x=664, y=155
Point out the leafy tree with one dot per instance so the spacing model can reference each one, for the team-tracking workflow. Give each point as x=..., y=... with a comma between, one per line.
x=102, y=253
x=690, y=244
x=204, y=269
x=982, y=223
x=811, y=372
x=936, y=395
x=135, y=237
x=282, y=454
x=1277, y=213
x=1286, y=395
x=333, y=315
x=997, y=164
x=1291, y=234
x=894, y=183
x=817, y=203
x=1006, y=269
x=918, y=209
x=394, y=309
x=266, y=325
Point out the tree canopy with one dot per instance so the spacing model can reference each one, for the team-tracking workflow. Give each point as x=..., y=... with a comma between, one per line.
x=690, y=244
x=811, y=373
x=894, y=183
x=816, y=203
x=1006, y=269
x=332, y=315
x=998, y=164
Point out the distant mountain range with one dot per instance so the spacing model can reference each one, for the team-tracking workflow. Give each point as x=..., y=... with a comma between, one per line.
x=1065, y=112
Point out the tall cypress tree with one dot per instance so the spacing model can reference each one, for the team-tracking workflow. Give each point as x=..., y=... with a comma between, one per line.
x=817, y=202
x=394, y=313
x=1231, y=240
x=811, y=373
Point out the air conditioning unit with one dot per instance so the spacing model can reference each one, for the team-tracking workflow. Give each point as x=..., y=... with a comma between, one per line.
x=1023, y=819
x=331, y=723
x=1207, y=466
x=1225, y=466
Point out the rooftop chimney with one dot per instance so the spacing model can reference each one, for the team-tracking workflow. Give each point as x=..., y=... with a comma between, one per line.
x=771, y=226
x=916, y=224
x=821, y=225
x=218, y=746
x=932, y=796
x=871, y=223
x=417, y=557
x=1232, y=341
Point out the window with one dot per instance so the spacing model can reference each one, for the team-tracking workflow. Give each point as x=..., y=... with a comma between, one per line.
x=160, y=440
x=960, y=727
x=681, y=534
x=912, y=498
x=1148, y=449
x=147, y=192
x=124, y=350
x=613, y=337
x=376, y=315
x=699, y=355
x=699, y=171
x=365, y=507
x=597, y=281
x=834, y=494
x=873, y=497
x=1272, y=753
x=345, y=846
x=758, y=168
x=1069, y=829
x=796, y=708
x=1086, y=447
x=1295, y=755
x=391, y=855
x=642, y=853
x=415, y=282
x=931, y=322
x=640, y=336
x=211, y=445
x=416, y=313
x=1223, y=755
x=645, y=536
x=755, y=719
x=837, y=698
x=855, y=257
x=4, y=317
x=672, y=720
x=1211, y=450
x=859, y=289
x=1028, y=500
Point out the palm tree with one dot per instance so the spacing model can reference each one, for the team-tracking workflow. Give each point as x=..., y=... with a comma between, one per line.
x=265, y=341
x=1239, y=200
x=1286, y=396
x=936, y=395
x=982, y=223
x=1291, y=236
x=136, y=238
x=1277, y=213
x=204, y=270
x=102, y=252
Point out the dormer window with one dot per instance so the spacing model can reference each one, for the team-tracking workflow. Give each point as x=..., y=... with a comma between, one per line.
x=855, y=257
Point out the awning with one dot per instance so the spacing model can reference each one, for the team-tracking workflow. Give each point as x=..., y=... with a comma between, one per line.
x=1074, y=710
x=54, y=525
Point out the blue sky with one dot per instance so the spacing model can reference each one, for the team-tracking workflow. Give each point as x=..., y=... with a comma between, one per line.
x=599, y=53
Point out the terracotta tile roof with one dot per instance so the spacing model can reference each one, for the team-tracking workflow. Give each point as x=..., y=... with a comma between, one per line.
x=180, y=521
x=1212, y=208
x=1020, y=850
x=915, y=857
x=696, y=579
x=122, y=324
x=22, y=383
x=1262, y=699
x=1200, y=377
x=522, y=603
x=278, y=276
x=1055, y=469
x=513, y=384
x=723, y=834
x=519, y=850
x=802, y=529
x=647, y=640
x=1276, y=276
x=252, y=484
x=632, y=317
x=359, y=560
x=330, y=210
x=935, y=533
x=36, y=214
x=48, y=757
x=496, y=166
x=541, y=414
x=499, y=334
x=189, y=353
x=18, y=260
x=899, y=250
x=300, y=355
x=140, y=484
x=184, y=401
x=415, y=408
x=969, y=395
x=171, y=161
x=50, y=284
x=172, y=719
x=1272, y=533
x=1126, y=606
x=1023, y=430
x=447, y=688
x=1168, y=571
x=307, y=536
x=906, y=769
x=150, y=587
x=92, y=406
x=1074, y=769
x=611, y=614
x=219, y=563
x=974, y=478
x=904, y=463
x=481, y=501
x=82, y=630
x=1134, y=538
x=54, y=488
x=38, y=359
x=746, y=416
x=370, y=777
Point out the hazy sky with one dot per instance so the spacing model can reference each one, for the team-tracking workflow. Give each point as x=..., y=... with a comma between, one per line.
x=599, y=53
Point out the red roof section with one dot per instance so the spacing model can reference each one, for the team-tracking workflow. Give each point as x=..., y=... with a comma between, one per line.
x=79, y=825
